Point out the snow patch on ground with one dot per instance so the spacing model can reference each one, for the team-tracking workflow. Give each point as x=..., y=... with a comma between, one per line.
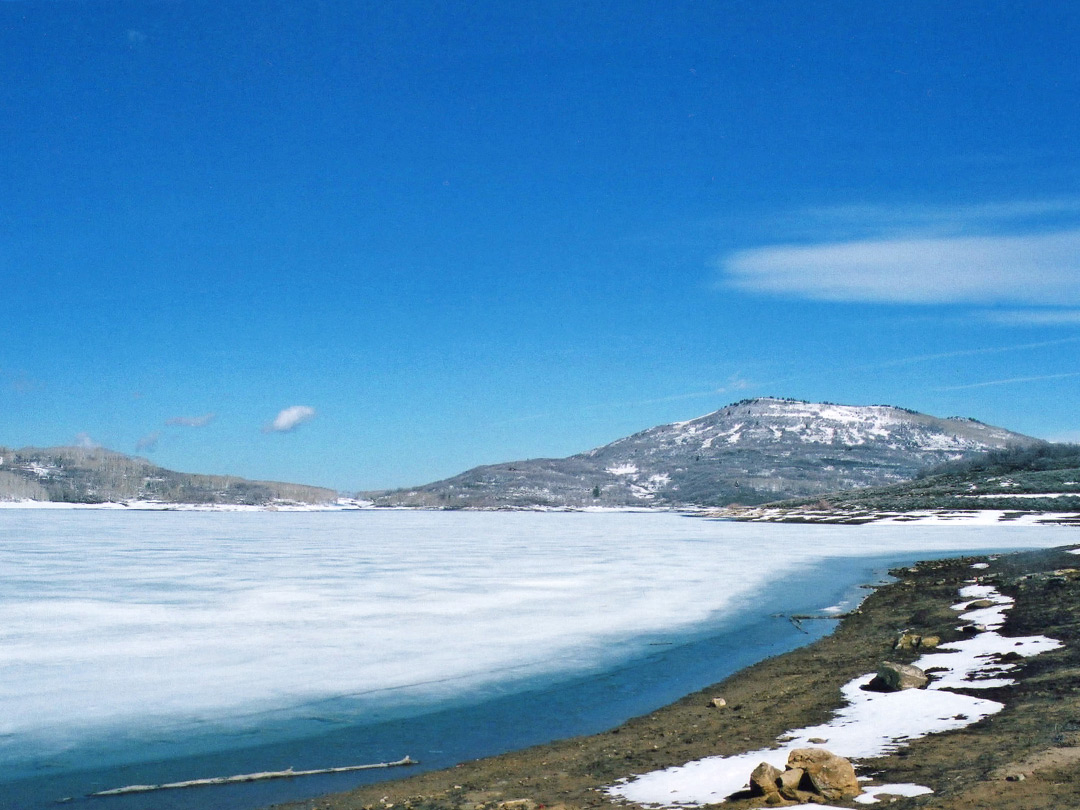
x=870, y=724
x=871, y=793
x=1025, y=495
x=623, y=469
x=979, y=517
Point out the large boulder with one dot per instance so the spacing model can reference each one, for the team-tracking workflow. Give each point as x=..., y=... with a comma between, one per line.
x=763, y=781
x=824, y=773
x=896, y=677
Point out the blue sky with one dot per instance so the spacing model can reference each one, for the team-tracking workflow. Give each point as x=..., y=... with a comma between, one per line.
x=368, y=245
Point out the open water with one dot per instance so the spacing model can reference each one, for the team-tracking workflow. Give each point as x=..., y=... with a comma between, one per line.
x=151, y=647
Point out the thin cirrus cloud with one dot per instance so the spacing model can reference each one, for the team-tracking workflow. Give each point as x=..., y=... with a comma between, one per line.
x=1021, y=252
x=191, y=421
x=1036, y=317
x=1037, y=269
x=1011, y=381
x=148, y=442
x=290, y=418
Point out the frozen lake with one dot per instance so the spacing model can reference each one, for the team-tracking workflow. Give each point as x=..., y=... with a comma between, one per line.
x=144, y=647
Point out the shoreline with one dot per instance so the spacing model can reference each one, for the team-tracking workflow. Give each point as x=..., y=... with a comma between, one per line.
x=738, y=514
x=857, y=517
x=1018, y=759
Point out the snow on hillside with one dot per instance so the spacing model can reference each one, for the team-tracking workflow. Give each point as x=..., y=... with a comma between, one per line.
x=749, y=452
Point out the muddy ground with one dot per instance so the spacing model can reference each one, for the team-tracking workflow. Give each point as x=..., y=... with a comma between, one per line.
x=1026, y=757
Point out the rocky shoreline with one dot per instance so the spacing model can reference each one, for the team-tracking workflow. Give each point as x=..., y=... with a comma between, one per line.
x=832, y=515
x=1024, y=757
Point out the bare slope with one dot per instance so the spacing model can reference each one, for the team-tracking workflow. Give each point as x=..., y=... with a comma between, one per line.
x=78, y=475
x=750, y=452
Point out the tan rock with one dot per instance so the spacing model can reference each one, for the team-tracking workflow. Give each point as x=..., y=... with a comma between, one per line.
x=789, y=782
x=763, y=780
x=896, y=677
x=907, y=641
x=718, y=703
x=829, y=775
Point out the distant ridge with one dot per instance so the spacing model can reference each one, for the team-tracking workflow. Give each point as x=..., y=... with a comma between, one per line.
x=750, y=452
x=97, y=475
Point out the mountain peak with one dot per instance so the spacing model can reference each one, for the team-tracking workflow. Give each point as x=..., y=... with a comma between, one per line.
x=750, y=451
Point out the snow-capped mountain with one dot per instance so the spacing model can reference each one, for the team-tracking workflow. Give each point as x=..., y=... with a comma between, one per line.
x=750, y=452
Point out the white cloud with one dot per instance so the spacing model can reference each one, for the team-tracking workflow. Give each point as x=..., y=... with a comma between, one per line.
x=1033, y=269
x=84, y=441
x=192, y=421
x=1036, y=317
x=290, y=418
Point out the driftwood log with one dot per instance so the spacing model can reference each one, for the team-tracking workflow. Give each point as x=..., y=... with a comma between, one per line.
x=249, y=777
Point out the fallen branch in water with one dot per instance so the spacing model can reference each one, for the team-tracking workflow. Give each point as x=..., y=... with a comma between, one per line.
x=249, y=777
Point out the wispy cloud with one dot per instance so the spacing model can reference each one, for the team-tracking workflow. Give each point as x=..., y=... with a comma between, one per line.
x=148, y=443
x=861, y=221
x=1036, y=269
x=735, y=383
x=1036, y=317
x=19, y=381
x=1022, y=252
x=84, y=441
x=290, y=419
x=1010, y=381
x=191, y=421
x=924, y=358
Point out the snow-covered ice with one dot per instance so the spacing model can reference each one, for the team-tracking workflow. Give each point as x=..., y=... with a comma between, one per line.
x=158, y=623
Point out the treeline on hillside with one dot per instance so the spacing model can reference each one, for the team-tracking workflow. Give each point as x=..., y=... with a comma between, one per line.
x=1039, y=477
x=97, y=475
x=1034, y=458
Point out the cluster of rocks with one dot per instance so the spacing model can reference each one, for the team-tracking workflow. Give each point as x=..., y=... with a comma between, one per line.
x=913, y=641
x=811, y=775
x=816, y=775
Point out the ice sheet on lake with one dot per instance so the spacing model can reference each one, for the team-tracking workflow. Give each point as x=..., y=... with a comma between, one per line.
x=160, y=623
